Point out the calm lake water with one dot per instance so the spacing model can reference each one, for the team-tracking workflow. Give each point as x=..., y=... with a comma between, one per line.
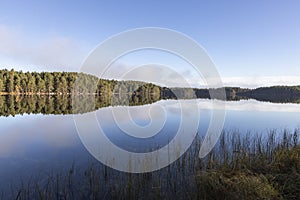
x=36, y=145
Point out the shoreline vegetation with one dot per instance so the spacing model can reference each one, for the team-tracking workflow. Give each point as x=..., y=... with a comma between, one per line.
x=73, y=83
x=239, y=167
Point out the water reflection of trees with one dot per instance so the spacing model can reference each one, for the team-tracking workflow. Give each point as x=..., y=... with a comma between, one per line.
x=11, y=105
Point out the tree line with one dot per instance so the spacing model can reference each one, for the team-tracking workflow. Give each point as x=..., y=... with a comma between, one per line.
x=27, y=83
x=18, y=82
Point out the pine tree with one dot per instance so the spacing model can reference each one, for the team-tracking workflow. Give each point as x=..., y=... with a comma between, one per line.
x=1, y=86
x=10, y=81
x=49, y=82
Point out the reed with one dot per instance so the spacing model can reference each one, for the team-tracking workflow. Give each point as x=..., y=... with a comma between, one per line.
x=241, y=166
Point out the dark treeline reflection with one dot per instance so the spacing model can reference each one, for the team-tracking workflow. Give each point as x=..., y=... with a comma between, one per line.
x=14, y=104
x=11, y=105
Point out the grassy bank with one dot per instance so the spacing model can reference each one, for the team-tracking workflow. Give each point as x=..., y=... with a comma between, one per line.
x=241, y=166
x=258, y=168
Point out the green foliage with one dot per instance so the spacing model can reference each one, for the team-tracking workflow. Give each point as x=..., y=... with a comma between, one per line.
x=279, y=94
x=13, y=82
x=1, y=85
x=17, y=82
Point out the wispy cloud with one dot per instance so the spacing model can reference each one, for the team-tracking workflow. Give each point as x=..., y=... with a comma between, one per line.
x=23, y=52
x=49, y=53
x=171, y=77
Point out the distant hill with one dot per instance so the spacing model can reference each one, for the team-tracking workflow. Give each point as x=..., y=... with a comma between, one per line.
x=274, y=94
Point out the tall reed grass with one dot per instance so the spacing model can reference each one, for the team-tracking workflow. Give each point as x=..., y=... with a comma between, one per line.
x=241, y=166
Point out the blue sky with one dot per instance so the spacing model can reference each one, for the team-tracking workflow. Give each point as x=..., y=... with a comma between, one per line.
x=259, y=40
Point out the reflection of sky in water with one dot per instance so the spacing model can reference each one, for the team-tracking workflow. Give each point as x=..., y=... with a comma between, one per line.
x=28, y=132
x=35, y=143
x=20, y=134
x=139, y=120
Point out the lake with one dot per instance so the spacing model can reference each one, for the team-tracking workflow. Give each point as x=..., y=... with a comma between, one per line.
x=33, y=146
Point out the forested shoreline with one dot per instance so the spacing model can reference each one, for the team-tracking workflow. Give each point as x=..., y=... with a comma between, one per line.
x=65, y=83
x=18, y=82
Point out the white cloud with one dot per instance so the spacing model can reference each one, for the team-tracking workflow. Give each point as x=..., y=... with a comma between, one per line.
x=51, y=53
x=59, y=53
x=172, y=77
x=260, y=81
x=161, y=74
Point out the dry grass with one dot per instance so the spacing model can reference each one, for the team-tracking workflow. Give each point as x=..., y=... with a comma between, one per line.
x=242, y=166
